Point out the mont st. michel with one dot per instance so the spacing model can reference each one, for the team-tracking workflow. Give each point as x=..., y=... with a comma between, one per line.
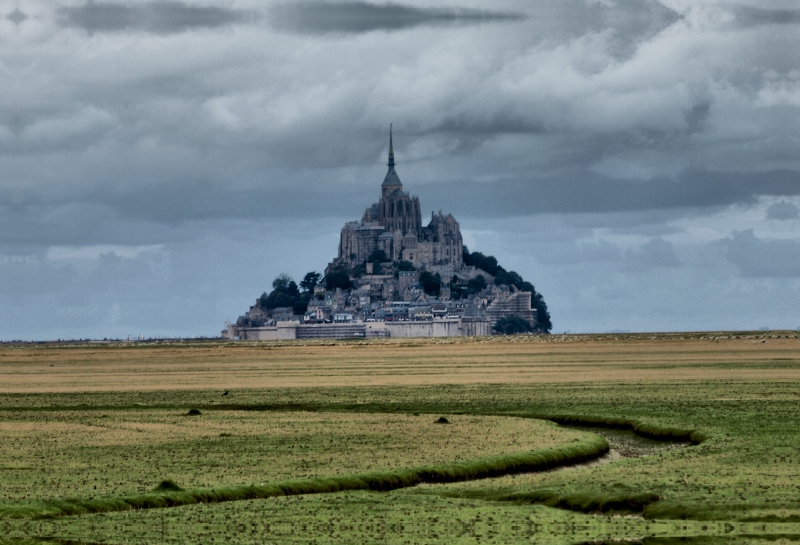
x=395, y=277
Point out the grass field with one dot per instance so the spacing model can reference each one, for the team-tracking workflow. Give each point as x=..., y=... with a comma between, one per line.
x=355, y=415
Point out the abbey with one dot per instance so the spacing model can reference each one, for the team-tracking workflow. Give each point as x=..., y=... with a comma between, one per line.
x=394, y=225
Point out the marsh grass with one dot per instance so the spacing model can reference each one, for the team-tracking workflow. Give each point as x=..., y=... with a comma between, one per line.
x=77, y=454
x=736, y=398
x=169, y=494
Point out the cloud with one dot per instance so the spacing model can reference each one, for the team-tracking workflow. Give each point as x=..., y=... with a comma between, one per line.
x=587, y=192
x=783, y=211
x=191, y=141
x=16, y=16
x=764, y=258
x=355, y=17
x=655, y=253
x=156, y=17
x=581, y=252
x=749, y=16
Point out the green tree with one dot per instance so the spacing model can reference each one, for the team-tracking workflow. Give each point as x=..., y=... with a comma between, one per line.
x=476, y=284
x=431, y=283
x=402, y=266
x=509, y=278
x=542, y=314
x=281, y=282
x=512, y=325
x=338, y=279
x=487, y=263
x=300, y=306
x=310, y=281
x=278, y=299
x=378, y=256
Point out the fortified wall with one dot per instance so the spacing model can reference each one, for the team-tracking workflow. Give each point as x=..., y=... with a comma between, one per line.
x=455, y=327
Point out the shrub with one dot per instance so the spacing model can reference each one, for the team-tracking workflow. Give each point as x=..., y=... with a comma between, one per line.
x=512, y=325
x=168, y=485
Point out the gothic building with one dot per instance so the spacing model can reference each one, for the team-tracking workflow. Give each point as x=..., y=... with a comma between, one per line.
x=394, y=225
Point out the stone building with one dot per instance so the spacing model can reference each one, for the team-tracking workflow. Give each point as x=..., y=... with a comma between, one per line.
x=516, y=303
x=394, y=225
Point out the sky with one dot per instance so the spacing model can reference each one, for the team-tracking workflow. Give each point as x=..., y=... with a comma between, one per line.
x=162, y=161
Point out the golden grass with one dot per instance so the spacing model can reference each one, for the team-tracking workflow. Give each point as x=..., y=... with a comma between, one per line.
x=516, y=360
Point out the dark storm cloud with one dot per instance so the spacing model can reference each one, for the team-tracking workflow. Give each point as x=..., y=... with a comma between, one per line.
x=783, y=211
x=632, y=21
x=137, y=217
x=587, y=192
x=156, y=17
x=757, y=257
x=748, y=17
x=323, y=17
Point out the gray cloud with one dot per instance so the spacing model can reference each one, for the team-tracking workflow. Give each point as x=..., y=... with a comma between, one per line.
x=748, y=16
x=771, y=258
x=588, y=192
x=631, y=21
x=117, y=215
x=219, y=163
x=157, y=17
x=656, y=252
x=16, y=16
x=354, y=17
x=783, y=211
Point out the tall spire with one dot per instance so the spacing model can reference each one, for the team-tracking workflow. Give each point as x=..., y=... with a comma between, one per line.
x=391, y=149
x=391, y=182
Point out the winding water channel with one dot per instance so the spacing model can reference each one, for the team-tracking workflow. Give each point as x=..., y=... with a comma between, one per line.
x=623, y=444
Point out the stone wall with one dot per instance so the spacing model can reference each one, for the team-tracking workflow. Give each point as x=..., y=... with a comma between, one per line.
x=454, y=327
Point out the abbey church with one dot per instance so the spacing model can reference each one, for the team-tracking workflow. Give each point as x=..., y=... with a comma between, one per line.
x=394, y=225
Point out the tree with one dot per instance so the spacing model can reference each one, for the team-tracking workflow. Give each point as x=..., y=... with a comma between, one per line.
x=300, y=306
x=509, y=278
x=542, y=314
x=338, y=279
x=378, y=256
x=476, y=284
x=512, y=325
x=278, y=299
x=402, y=266
x=281, y=282
x=484, y=262
x=310, y=281
x=431, y=283
x=284, y=294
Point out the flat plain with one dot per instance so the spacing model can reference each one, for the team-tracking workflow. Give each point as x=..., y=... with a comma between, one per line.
x=90, y=430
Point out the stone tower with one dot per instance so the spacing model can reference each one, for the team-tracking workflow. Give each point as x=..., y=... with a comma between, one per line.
x=394, y=225
x=397, y=211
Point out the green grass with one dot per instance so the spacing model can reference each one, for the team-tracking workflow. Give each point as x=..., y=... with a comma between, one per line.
x=740, y=481
x=396, y=517
x=169, y=494
x=91, y=454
